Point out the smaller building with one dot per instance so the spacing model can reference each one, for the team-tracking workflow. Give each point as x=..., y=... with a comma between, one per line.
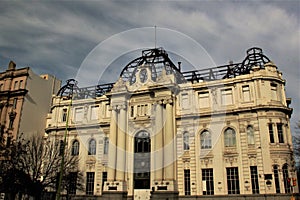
x=25, y=99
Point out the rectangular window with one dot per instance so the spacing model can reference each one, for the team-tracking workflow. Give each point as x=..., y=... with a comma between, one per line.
x=274, y=91
x=106, y=143
x=276, y=178
x=184, y=100
x=204, y=99
x=94, y=112
x=208, y=181
x=187, y=182
x=72, y=182
x=107, y=110
x=246, y=93
x=15, y=103
x=16, y=85
x=78, y=114
x=233, y=184
x=280, y=133
x=271, y=133
x=254, y=180
x=11, y=123
x=21, y=84
x=64, y=115
x=1, y=86
x=131, y=111
x=90, y=178
x=104, y=178
x=226, y=95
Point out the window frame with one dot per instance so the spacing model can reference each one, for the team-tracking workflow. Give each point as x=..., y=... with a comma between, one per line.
x=92, y=147
x=229, y=137
x=205, y=141
x=75, y=148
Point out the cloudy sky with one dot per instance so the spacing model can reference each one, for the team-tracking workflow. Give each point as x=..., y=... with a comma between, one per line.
x=57, y=37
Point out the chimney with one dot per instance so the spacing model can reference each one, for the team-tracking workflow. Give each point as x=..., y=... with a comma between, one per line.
x=179, y=66
x=11, y=65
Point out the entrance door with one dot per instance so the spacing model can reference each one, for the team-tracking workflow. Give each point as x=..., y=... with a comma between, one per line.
x=142, y=147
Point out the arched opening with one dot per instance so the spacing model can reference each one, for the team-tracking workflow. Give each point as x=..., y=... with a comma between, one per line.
x=286, y=179
x=142, y=148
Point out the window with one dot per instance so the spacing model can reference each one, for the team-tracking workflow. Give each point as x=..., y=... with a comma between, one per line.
x=271, y=133
x=78, y=114
x=276, y=177
x=72, y=179
x=142, y=110
x=187, y=182
x=205, y=139
x=286, y=179
x=131, y=111
x=21, y=84
x=1, y=86
x=233, y=184
x=274, y=91
x=208, y=181
x=246, y=93
x=204, y=99
x=142, y=142
x=61, y=147
x=185, y=101
x=186, y=141
x=11, y=123
x=250, y=135
x=75, y=148
x=104, y=178
x=106, y=145
x=90, y=178
x=15, y=103
x=226, y=96
x=92, y=147
x=94, y=112
x=229, y=137
x=64, y=115
x=16, y=85
x=254, y=180
x=280, y=133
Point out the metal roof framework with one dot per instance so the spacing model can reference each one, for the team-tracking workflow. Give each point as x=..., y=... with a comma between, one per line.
x=158, y=61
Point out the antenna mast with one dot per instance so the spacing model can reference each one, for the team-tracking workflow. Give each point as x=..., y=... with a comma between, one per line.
x=155, y=37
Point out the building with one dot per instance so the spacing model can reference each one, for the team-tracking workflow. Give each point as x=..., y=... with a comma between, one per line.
x=25, y=100
x=162, y=133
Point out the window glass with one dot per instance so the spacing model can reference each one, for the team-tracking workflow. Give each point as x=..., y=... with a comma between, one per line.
x=92, y=147
x=205, y=139
x=229, y=137
x=250, y=135
x=186, y=141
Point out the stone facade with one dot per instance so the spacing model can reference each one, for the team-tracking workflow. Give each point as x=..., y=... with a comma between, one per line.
x=159, y=134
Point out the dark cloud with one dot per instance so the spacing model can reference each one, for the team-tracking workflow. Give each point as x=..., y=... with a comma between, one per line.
x=56, y=36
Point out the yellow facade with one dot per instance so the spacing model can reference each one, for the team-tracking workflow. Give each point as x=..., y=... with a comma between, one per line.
x=162, y=133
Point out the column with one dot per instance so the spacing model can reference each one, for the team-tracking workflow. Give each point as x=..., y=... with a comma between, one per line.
x=112, y=152
x=158, y=143
x=169, y=143
x=121, y=147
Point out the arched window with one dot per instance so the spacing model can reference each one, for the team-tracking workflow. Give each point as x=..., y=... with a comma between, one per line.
x=106, y=143
x=75, y=148
x=61, y=147
x=205, y=139
x=286, y=179
x=186, y=141
x=250, y=135
x=92, y=147
x=229, y=137
x=142, y=142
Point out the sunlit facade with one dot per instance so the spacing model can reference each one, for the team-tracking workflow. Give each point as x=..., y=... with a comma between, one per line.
x=166, y=134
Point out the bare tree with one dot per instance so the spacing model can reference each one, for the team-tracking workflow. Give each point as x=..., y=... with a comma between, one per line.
x=38, y=162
